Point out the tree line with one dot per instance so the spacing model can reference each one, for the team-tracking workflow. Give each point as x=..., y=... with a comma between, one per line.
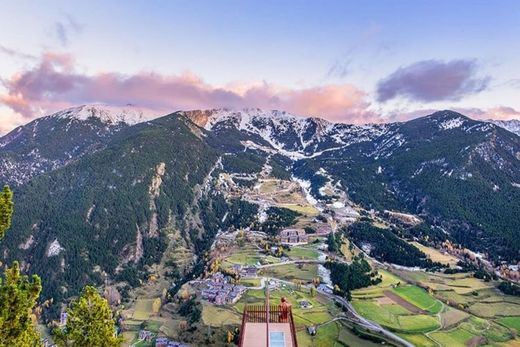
x=89, y=322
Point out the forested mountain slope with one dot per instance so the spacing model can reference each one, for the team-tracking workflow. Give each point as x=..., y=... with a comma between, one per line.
x=107, y=209
x=99, y=194
x=54, y=141
x=462, y=175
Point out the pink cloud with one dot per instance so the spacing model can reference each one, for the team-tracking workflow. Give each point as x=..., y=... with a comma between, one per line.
x=497, y=113
x=10, y=120
x=55, y=83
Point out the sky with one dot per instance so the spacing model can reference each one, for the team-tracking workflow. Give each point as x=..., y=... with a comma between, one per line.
x=346, y=61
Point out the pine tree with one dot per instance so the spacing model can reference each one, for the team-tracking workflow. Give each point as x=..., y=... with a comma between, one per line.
x=6, y=210
x=332, y=245
x=89, y=323
x=18, y=297
x=18, y=294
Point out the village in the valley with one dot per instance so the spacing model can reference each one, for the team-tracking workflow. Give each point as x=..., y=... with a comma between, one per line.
x=292, y=265
x=243, y=262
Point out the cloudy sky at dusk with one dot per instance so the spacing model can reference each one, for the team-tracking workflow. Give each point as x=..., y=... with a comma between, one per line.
x=347, y=61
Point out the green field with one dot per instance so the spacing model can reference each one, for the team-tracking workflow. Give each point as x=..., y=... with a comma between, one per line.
x=377, y=290
x=395, y=317
x=270, y=186
x=461, y=283
x=325, y=336
x=452, y=338
x=372, y=303
x=301, y=252
x=455, y=299
x=492, y=331
x=250, y=282
x=493, y=309
x=333, y=334
x=347, y=337
x=217, y=316
x=248, y=256
x=243, y=256
x=153, y=326
x=418, y=340
x=306, y=210
x=292, y=272
x=419, y=297
x=473, y=327
x=418, y=323
x=459, y=328
x=511, y=322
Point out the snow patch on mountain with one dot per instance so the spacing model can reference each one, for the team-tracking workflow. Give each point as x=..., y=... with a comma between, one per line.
x=306, y=187
x=292, y=136
x=54, y=248
x=512, y=125
x=451, y=123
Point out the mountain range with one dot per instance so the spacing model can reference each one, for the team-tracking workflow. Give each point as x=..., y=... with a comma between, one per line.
x=103, y=192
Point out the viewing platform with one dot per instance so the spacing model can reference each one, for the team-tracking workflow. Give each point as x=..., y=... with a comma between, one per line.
x=268, y=326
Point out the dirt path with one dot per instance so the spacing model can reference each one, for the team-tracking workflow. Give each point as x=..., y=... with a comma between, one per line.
x=439, y=317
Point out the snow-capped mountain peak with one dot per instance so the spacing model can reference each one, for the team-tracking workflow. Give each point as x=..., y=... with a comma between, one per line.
x=53, y=141
x=294, y=136
x=107, y=114
x=208, y=119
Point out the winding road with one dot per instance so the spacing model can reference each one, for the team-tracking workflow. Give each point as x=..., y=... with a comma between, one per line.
x=365, y=322
x=358, y=319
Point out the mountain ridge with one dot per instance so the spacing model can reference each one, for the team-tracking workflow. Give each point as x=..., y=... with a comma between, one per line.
x=129, y=192
x=512, y=125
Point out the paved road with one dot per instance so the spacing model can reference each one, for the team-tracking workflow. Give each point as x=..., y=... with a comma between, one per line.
x=360, y=320
x=366, y=323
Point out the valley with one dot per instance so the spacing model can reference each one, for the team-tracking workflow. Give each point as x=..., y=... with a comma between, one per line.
x=260, y=173
x=410, y=306
x=372, y=233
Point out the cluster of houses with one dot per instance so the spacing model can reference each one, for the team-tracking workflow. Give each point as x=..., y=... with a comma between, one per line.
x=299, y=236
x=245, y=271
x=145, y=335
x=293, y=236
x=219, y=289
x=148, y=336
x=165, y=342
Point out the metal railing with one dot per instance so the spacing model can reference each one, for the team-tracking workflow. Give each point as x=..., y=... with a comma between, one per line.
x=261, y=313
